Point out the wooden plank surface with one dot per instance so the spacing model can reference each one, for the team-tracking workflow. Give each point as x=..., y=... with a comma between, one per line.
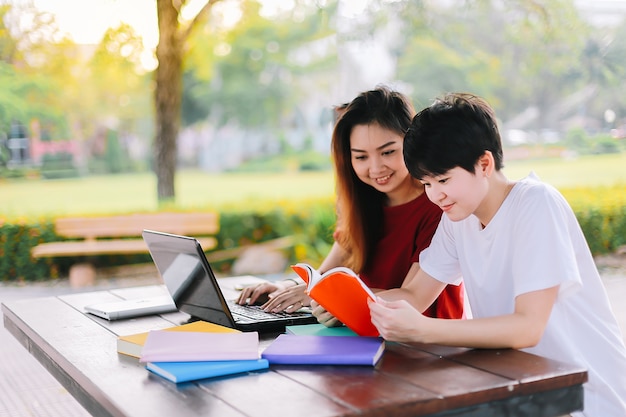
x=202, y=223
x=410, y=380
x=101, y=247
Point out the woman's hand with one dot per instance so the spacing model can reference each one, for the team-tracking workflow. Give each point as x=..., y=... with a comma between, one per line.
x=254, y=293
x=324, y=316
x=289, y=300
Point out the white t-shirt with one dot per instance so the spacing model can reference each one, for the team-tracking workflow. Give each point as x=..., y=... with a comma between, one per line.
x=534, y=242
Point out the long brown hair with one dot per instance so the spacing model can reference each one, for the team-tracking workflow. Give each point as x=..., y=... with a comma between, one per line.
x=360, y=206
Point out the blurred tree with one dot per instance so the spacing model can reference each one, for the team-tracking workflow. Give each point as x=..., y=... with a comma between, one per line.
x=543, y=43
x=257, y=74
x=603, y=66
x=8, y=44
x=117, y=92
x=26, y=92
x=260, y=76
x=12, y=106
x=516, y=53
x=173, y=33
x=72, y=91
x=613, y=96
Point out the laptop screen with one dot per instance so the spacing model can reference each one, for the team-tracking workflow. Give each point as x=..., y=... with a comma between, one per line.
x=188, y=277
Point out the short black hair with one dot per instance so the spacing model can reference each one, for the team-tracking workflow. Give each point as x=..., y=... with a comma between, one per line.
x=455, y=131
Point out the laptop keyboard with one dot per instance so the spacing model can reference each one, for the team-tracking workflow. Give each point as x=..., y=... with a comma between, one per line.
x=257, y=313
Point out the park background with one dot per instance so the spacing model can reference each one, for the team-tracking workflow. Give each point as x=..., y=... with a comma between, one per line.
x=81, y=128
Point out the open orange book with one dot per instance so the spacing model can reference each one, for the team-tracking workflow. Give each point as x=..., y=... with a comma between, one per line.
x=342, y=293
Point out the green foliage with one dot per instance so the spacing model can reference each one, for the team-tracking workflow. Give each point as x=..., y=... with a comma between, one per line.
x=60, y=165
x=116, y=158
x=113, y=159
x=605, y=144
x=314, y=161
x=604, y=229
x=579, y=141
x=256, y=72
x=16, y=264
x=27, y=91
x=293, y=161
x=12, y=173
x=24, y=97
x=71, y=91
x=11, y=105
x=310, y=222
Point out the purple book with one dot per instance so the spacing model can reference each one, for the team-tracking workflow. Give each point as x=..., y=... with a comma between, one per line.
x=289, y=349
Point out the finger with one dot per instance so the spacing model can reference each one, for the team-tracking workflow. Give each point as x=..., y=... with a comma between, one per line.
x=274, y=305
x=333, y=322
x=326, y=320
x=385, y=304
x=303, y=299
x=290, y=296
x=238, y=300
x=253, y=297
x=295, y=306
x=259, y=291
x=243, y=296
x=324, y=317
x=284, y=302
x=317, y=310
x=276, y=298
x=380, y=301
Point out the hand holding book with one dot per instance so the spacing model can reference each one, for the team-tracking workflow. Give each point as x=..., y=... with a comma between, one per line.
x=342, y=293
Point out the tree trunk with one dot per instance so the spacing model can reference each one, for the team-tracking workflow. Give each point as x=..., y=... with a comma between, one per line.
x=168, y=95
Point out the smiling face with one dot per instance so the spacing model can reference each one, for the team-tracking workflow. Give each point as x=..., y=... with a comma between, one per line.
x=376, y=155
x=458, y=192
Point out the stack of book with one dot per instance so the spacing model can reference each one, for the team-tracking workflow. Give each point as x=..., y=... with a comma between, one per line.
x=202, y=350
x=195, y=351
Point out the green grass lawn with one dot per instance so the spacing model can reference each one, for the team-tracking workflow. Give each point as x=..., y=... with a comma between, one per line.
x=587, y=171
x=137, y=192
x=194, y=189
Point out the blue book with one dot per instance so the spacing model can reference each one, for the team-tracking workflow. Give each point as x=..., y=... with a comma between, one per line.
x=318, y=329
x=191, y=371
x=290, y=349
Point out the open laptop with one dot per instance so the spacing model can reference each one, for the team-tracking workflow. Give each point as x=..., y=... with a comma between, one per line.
x=195, y=290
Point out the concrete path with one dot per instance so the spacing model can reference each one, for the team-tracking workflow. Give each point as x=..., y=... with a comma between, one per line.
x=27, y=389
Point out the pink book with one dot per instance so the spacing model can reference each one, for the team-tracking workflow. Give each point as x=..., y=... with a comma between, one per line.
x=163, y=346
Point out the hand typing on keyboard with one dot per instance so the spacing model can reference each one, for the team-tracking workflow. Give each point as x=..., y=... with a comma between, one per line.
x=275, y=297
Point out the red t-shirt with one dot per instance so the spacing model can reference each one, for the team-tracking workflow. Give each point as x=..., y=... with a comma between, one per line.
x=408, y=229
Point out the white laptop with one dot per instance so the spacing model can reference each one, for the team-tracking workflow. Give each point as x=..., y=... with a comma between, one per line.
x=182, y=267
x=125, y=309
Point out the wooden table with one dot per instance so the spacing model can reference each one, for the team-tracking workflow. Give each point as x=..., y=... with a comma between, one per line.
x=416, y=380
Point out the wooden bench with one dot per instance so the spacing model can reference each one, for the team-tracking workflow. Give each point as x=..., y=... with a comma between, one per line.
x=120, y=235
